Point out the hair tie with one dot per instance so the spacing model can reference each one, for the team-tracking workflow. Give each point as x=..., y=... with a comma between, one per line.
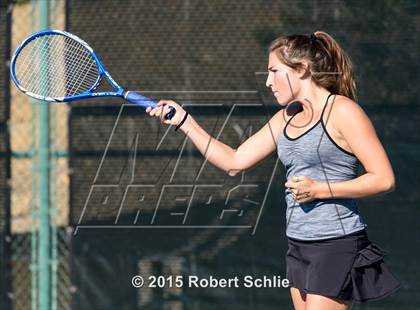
x=182, y=122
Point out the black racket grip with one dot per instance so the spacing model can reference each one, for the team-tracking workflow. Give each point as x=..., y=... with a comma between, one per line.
x=171, y=113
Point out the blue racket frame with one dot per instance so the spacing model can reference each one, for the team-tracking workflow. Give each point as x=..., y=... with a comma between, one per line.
x=131, y=96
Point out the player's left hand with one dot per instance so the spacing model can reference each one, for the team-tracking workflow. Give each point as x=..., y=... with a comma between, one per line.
x=303, y=188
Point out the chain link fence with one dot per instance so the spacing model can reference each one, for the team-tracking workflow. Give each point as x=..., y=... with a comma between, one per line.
x=24, y=129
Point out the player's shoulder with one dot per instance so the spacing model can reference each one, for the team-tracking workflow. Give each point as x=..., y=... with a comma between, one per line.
x=277, y=118
x=344, y=107
x=347, y=114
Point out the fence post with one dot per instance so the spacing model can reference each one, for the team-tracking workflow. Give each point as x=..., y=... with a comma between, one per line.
x=44, y=249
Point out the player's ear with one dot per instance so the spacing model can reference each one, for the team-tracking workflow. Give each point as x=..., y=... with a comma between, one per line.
x=304, y=70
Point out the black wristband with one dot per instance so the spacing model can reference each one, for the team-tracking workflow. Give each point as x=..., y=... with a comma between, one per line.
x=182, y=122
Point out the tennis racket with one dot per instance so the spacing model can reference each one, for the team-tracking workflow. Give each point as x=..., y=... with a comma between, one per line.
x=57, y=66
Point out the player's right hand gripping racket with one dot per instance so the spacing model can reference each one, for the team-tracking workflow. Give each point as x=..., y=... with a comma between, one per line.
x=57, y=66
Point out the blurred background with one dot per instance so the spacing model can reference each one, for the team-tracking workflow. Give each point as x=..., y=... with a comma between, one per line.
x=128, y=196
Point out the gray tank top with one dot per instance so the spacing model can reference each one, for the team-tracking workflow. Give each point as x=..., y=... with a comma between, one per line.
x=315, y=154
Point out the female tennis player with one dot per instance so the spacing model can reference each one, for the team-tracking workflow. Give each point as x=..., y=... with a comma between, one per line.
x=330, y=260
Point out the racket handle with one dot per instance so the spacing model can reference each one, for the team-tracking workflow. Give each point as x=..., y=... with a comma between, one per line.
x=136, y=98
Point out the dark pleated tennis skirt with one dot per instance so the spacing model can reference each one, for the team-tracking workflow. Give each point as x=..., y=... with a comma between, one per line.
x=348, y=267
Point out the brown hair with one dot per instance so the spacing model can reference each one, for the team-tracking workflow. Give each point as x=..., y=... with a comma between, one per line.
x=330, y=66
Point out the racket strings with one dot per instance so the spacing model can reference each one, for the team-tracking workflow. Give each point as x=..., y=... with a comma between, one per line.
x=74, y=64
x=56, y=66
x=79, y=75
x=38, y=52
x=31, y=66
x=83, y=67
x=44, y=83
